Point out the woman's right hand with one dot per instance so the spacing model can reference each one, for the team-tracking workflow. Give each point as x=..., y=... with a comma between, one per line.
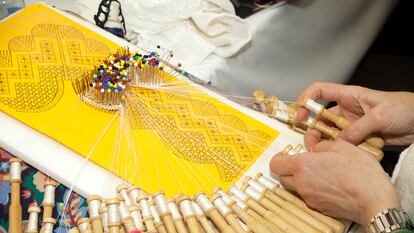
x=387, y=114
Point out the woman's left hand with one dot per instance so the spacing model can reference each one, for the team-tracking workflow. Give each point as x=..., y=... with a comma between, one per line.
x=339, y=179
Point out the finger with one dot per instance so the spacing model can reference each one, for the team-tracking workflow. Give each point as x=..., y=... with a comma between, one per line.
x=282, y=165
x=335, y=109
x=324, y=91
x=312, y=137
x=288, y=182
x=324, y=146
x=301, y=114
x=364, y=126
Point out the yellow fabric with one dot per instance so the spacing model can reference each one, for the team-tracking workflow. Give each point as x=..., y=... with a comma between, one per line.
x=177, y=141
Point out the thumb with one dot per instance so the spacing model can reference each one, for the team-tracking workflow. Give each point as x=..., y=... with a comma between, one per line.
x=369, y=123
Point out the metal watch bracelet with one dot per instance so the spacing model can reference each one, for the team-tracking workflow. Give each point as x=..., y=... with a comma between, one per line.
x=388, y=221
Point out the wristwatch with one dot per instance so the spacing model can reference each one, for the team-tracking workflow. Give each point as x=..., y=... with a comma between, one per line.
x=389, y=220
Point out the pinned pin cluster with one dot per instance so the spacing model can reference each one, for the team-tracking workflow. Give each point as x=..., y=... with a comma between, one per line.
x=113, y=75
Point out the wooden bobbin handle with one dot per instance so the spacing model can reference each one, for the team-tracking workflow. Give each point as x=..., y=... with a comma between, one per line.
x=179, y=224
x=207, y=227
x=192, y=224
x=15, y=209
x=168, y=222
x=334, y=133
x=271, y=217
x=253, y=223
x=342, y=123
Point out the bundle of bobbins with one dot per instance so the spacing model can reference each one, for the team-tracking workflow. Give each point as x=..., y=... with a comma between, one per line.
x=259, y=205
x=270, y=106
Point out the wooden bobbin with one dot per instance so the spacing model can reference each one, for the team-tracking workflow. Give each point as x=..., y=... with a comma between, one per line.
x=213, y=213
x=284, y=214
x=164, y=211
x=126, y=218
x=269, y=225
x=73, y=230
x=252, y=222
x=122, y=190
x=157, y=218
x=133, y=193
x=176, y=216
x=272, y=105
x=279, y=222
x=228, y=214
x=114, y=217
x=49, y=198
x=47, y=225
x=33, y=219
x=259, y=100
x=334, y=133
x=298, y=148
x=103, y=211
x=296, y=211
x=188, y=213
x=336, y=225
x=135, y=212
x=201, y=217
x=15, y=209
x=339, y=121
x=146, y=212
x=94, y=203
x=84, y=225
x=286, y=150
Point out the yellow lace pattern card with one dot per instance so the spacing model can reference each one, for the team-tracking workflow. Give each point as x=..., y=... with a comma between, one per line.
x=177, y=140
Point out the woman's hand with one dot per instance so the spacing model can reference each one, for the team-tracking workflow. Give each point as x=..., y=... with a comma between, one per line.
x=338, y=179
x=389, y=114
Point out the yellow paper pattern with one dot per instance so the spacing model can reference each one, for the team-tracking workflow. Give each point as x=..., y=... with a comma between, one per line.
x=178, y=141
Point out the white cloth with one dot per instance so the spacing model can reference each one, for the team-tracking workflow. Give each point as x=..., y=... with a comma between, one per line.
x=193, y=29
x=403, y=178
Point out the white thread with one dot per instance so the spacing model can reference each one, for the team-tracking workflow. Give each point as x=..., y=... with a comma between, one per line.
x=266, y=182
x=186, y=208
x=161, y=203
x=114, y=216
x=93, y=207
x=256, y=185
x=123, y=193
x=253, y=193
x=204, y=203
x=134, y=194
x=174, y=210
x=239, y=202
x=313, y=106
x=197, y=209
x=145, y=208
x=136, y=215
x=309, y=121
x=103, y=211
x=226, y=198
x=49, y=195
x=15, y=170
x=282, y=116
x=155, y=214
x=221, y=206
x=123, y=210
x=236, y=191
x=33, y=220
